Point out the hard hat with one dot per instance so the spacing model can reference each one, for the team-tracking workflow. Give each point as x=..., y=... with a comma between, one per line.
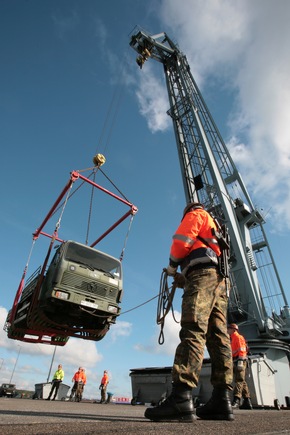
x=233, y=326
x=192, y=205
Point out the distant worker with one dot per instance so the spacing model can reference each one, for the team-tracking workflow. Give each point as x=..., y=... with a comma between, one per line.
x=195, y=248
x=56, y=381
x=103, y=386
x=240, y=362
x=80, y=380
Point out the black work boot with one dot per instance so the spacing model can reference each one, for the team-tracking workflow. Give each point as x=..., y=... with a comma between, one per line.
x=247, y=404
x=236, y=402
x=218, y=407
x=178, y=406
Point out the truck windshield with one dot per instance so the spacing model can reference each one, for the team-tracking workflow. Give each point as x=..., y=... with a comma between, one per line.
x=93, y=259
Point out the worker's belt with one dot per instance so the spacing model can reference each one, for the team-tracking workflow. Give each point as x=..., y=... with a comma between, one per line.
x=200, y=266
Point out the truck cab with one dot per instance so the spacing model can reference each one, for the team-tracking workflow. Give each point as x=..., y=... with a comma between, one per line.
x=82, y=286
x=79, y=295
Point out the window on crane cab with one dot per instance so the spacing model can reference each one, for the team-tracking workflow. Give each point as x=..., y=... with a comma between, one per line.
x=92, y=259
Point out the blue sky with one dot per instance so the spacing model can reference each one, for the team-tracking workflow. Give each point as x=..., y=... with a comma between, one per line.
x=70, y=88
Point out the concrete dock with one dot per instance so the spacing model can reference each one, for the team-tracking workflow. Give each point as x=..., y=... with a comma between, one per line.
x=40, y=417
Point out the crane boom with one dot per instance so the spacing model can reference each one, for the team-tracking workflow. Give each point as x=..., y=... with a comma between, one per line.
x=257, y=302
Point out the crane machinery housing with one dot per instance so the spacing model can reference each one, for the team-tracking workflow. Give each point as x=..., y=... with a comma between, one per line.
x=257, y=300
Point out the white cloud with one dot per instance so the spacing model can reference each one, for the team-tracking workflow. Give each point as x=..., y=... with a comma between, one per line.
x=170, y=336
x=75, y=353
x=212, y=34
x=121, y=329
x=153, y=100
x=243, y=45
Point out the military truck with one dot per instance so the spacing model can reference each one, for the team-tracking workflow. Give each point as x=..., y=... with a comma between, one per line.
x=8, y=390
x=80, y=293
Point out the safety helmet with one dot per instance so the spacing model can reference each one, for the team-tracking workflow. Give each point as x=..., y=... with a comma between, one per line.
x=233, y=326
x=192, y=205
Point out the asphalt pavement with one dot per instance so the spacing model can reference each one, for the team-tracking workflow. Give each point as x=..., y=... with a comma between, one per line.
x=41, y=417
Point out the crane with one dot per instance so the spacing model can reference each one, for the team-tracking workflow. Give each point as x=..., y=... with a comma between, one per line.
x=257, y=300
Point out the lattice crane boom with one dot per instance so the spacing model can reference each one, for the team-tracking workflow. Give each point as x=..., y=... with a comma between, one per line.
x=210, y=176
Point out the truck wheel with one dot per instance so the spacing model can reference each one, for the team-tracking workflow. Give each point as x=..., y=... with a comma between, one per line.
x=134, y=401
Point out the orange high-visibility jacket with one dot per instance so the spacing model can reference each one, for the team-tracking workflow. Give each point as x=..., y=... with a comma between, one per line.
x=185, y=243
x=239, y=346
x=105, y=379
x=80, y=376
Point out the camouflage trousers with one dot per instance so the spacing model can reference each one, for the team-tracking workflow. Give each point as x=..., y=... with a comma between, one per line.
x=204, y=322
x=241, y=387
x=103, y=393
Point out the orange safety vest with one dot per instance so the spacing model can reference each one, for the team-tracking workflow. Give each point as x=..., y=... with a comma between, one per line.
x=186, y=249
x=80, y=377
x=239, y=346
x=105, y=379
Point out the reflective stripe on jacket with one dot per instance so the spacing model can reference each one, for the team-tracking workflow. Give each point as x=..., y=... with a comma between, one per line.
x=186, y=249
x=239, y=346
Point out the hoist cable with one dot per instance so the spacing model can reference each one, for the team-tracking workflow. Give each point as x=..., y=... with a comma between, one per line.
x=90, y=209
x=29, y=256
x=113, y=184
x=71, y=193
x=126, y=238
x=113, y=107
x=57, y=226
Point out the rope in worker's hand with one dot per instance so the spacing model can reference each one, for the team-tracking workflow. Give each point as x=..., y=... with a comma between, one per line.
x=165, y=300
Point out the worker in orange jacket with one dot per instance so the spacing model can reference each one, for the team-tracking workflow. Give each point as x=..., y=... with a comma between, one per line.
x=80, y=380
x=103, y=386
x=195, y=249
x=240, y=362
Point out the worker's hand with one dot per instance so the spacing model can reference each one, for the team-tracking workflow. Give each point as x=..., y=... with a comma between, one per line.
x=179, y=280
x=171, y=271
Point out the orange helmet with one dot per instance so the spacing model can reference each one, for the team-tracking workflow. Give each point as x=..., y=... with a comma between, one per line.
x=233, y=326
